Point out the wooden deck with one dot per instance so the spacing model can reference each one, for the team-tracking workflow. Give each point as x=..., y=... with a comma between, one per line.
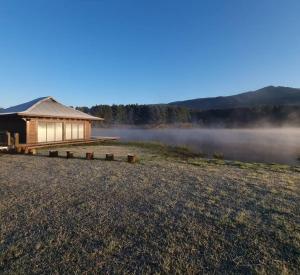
x=69, y=142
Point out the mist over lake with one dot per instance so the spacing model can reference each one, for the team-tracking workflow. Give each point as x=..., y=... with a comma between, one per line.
x=280, y=145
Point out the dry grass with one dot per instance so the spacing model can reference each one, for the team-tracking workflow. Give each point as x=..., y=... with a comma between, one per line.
x=169, y=213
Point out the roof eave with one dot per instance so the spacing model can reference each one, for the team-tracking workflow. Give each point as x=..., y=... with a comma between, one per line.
x=8, y=115
x=62, y=117
x=23, y=114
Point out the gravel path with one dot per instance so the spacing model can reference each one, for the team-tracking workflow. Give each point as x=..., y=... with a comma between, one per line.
x=74, y=216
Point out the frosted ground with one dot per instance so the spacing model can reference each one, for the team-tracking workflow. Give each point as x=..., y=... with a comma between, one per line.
x=171, y=212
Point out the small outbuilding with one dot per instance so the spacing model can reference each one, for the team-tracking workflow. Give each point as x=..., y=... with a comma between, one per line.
x=46, y=121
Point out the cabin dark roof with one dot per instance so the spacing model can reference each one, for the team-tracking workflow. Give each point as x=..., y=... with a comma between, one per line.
x=46, y=107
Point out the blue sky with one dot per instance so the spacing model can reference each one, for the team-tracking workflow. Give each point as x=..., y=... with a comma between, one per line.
x=84, y=52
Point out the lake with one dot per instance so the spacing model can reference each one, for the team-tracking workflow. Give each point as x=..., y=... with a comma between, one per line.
x=280, y=145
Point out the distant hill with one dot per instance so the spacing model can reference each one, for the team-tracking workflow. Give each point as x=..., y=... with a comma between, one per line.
x=268, y=96
x=276, y=106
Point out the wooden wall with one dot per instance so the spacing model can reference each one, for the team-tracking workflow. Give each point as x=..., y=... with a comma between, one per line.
x=32, y=126
x=31, y=131
x=88, y=130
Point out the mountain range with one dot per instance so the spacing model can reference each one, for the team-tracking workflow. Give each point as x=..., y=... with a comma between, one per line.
x=268, y=96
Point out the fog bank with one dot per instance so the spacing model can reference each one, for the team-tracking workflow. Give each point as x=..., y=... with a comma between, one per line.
x=281, y=145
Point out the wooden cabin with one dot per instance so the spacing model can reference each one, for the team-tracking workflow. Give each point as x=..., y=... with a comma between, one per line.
x=46, y=121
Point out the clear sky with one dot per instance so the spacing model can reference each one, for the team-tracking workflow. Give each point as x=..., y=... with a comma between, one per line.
x=84, y=52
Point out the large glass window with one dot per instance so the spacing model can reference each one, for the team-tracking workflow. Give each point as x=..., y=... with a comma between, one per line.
x=50, y=131
x=80, y=131
x=68, y=131
x=42, y=132
x=74, y=131
x=58, y=132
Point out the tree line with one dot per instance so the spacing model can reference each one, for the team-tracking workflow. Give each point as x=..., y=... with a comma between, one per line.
x=135, y=114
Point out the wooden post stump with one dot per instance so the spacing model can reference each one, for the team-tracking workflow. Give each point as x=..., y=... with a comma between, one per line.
x=31, y=152
x=90, y=156
x=110, y=157
x=53, y=154
x=70, y=155
x=19, y=150
x=131, y=158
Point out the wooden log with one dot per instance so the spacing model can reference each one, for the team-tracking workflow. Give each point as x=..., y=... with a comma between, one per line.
x=131, y=158
x=110, y=157
x=70, y=155
x=89, y=155
x=53, y=154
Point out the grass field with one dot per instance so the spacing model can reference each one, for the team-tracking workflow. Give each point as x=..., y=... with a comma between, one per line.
x=171, y=212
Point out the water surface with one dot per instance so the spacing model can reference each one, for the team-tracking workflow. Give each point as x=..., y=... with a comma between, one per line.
x=281, y=145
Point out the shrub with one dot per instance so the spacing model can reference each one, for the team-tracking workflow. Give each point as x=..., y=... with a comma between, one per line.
x=218, y=156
